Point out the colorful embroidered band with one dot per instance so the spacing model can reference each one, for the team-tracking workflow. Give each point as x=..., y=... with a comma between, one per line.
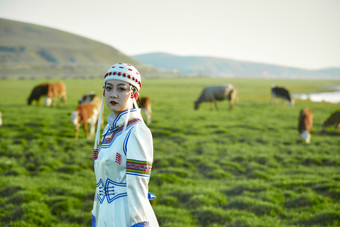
x=139, y=168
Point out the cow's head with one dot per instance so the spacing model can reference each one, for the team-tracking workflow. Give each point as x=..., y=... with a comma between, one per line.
x=29, y=101
x=306, y=136
x=30, y=98
x=75, y=118
x=196, y=105
x=48, y=101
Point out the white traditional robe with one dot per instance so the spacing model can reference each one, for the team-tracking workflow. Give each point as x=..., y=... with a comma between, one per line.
x=123, y=171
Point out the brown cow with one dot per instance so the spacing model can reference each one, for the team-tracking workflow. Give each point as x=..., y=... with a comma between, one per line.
x=37, y=92
x=92, y=98
x=145, y=104
x=216, y=93
x=333, y=119
x=85, y=114
x=55, y=90
x=305, y=124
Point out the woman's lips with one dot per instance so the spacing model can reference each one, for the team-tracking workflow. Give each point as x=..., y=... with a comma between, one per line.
x=114, y=103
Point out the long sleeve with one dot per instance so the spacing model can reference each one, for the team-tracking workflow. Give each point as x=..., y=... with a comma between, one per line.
x=138, y=146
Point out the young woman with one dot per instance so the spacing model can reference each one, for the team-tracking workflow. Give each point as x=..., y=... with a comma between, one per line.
x=124, y=159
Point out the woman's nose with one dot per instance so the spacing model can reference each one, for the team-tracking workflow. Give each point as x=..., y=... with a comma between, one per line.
x=113, y=94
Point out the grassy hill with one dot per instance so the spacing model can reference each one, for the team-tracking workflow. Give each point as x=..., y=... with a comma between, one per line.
x=220, y=67
x=28, y=50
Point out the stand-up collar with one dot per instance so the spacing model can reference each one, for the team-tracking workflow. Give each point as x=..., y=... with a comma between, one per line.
x=115, y=121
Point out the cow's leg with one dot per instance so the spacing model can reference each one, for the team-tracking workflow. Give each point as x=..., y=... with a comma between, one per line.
x=215, y=105
x=86, y=130
x=147, y=114
x=54, y=101
x=212, y=105
x=76, y=133
x=92, y=129
x=271, y=99
x=150, y=112
x=231, y=104
x=232, y=99
x=147, y=117
x=63, y=98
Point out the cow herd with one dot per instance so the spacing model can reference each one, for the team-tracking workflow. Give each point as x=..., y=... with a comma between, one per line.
x=305, y=121
x=87, y=111
x=306, y=116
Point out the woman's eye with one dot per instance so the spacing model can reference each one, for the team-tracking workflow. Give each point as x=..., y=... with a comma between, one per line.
x=121, y=89
x=108, y=88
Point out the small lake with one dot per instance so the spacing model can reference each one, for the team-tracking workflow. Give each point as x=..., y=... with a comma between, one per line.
x=332, y=96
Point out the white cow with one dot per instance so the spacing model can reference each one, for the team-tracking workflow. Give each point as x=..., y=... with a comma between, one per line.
x=216, y=93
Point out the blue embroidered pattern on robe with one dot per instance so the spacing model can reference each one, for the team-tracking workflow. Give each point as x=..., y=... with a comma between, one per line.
x=111, y=190
x=111, y=134
x=93, y=221
x=142, y=224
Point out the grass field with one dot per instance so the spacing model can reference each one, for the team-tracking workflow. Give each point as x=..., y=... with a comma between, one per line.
x=247, y=167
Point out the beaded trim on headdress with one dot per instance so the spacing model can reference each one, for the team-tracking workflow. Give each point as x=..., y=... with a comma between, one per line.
x=124, y=72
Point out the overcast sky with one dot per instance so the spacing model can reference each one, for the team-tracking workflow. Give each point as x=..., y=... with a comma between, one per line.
x=299, y=33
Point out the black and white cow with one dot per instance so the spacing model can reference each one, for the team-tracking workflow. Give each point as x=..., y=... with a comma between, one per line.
x=283, y=93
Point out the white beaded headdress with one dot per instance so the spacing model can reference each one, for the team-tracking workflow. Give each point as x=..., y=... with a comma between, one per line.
x=124, y=72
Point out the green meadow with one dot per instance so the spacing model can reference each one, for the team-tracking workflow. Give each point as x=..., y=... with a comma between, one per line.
x=247, y=167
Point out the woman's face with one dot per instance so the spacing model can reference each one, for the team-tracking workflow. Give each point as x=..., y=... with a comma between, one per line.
x=117, y=94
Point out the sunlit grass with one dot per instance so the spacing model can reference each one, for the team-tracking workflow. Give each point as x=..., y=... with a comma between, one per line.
x=247, y=167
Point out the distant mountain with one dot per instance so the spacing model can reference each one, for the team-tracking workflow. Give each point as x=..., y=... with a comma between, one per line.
x=219, y=67
x=28, y=50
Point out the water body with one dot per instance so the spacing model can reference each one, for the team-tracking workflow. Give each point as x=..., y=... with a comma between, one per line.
x=332, y=96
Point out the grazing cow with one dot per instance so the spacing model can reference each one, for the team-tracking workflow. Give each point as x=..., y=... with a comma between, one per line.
x=0, y=119
x=55, y=90
x=280, y=92
x=87, y=98
x=305, y=124
x=217, y=93
x=145, y=104
x=333, y=119
x=85, y=114
x=37, y=92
